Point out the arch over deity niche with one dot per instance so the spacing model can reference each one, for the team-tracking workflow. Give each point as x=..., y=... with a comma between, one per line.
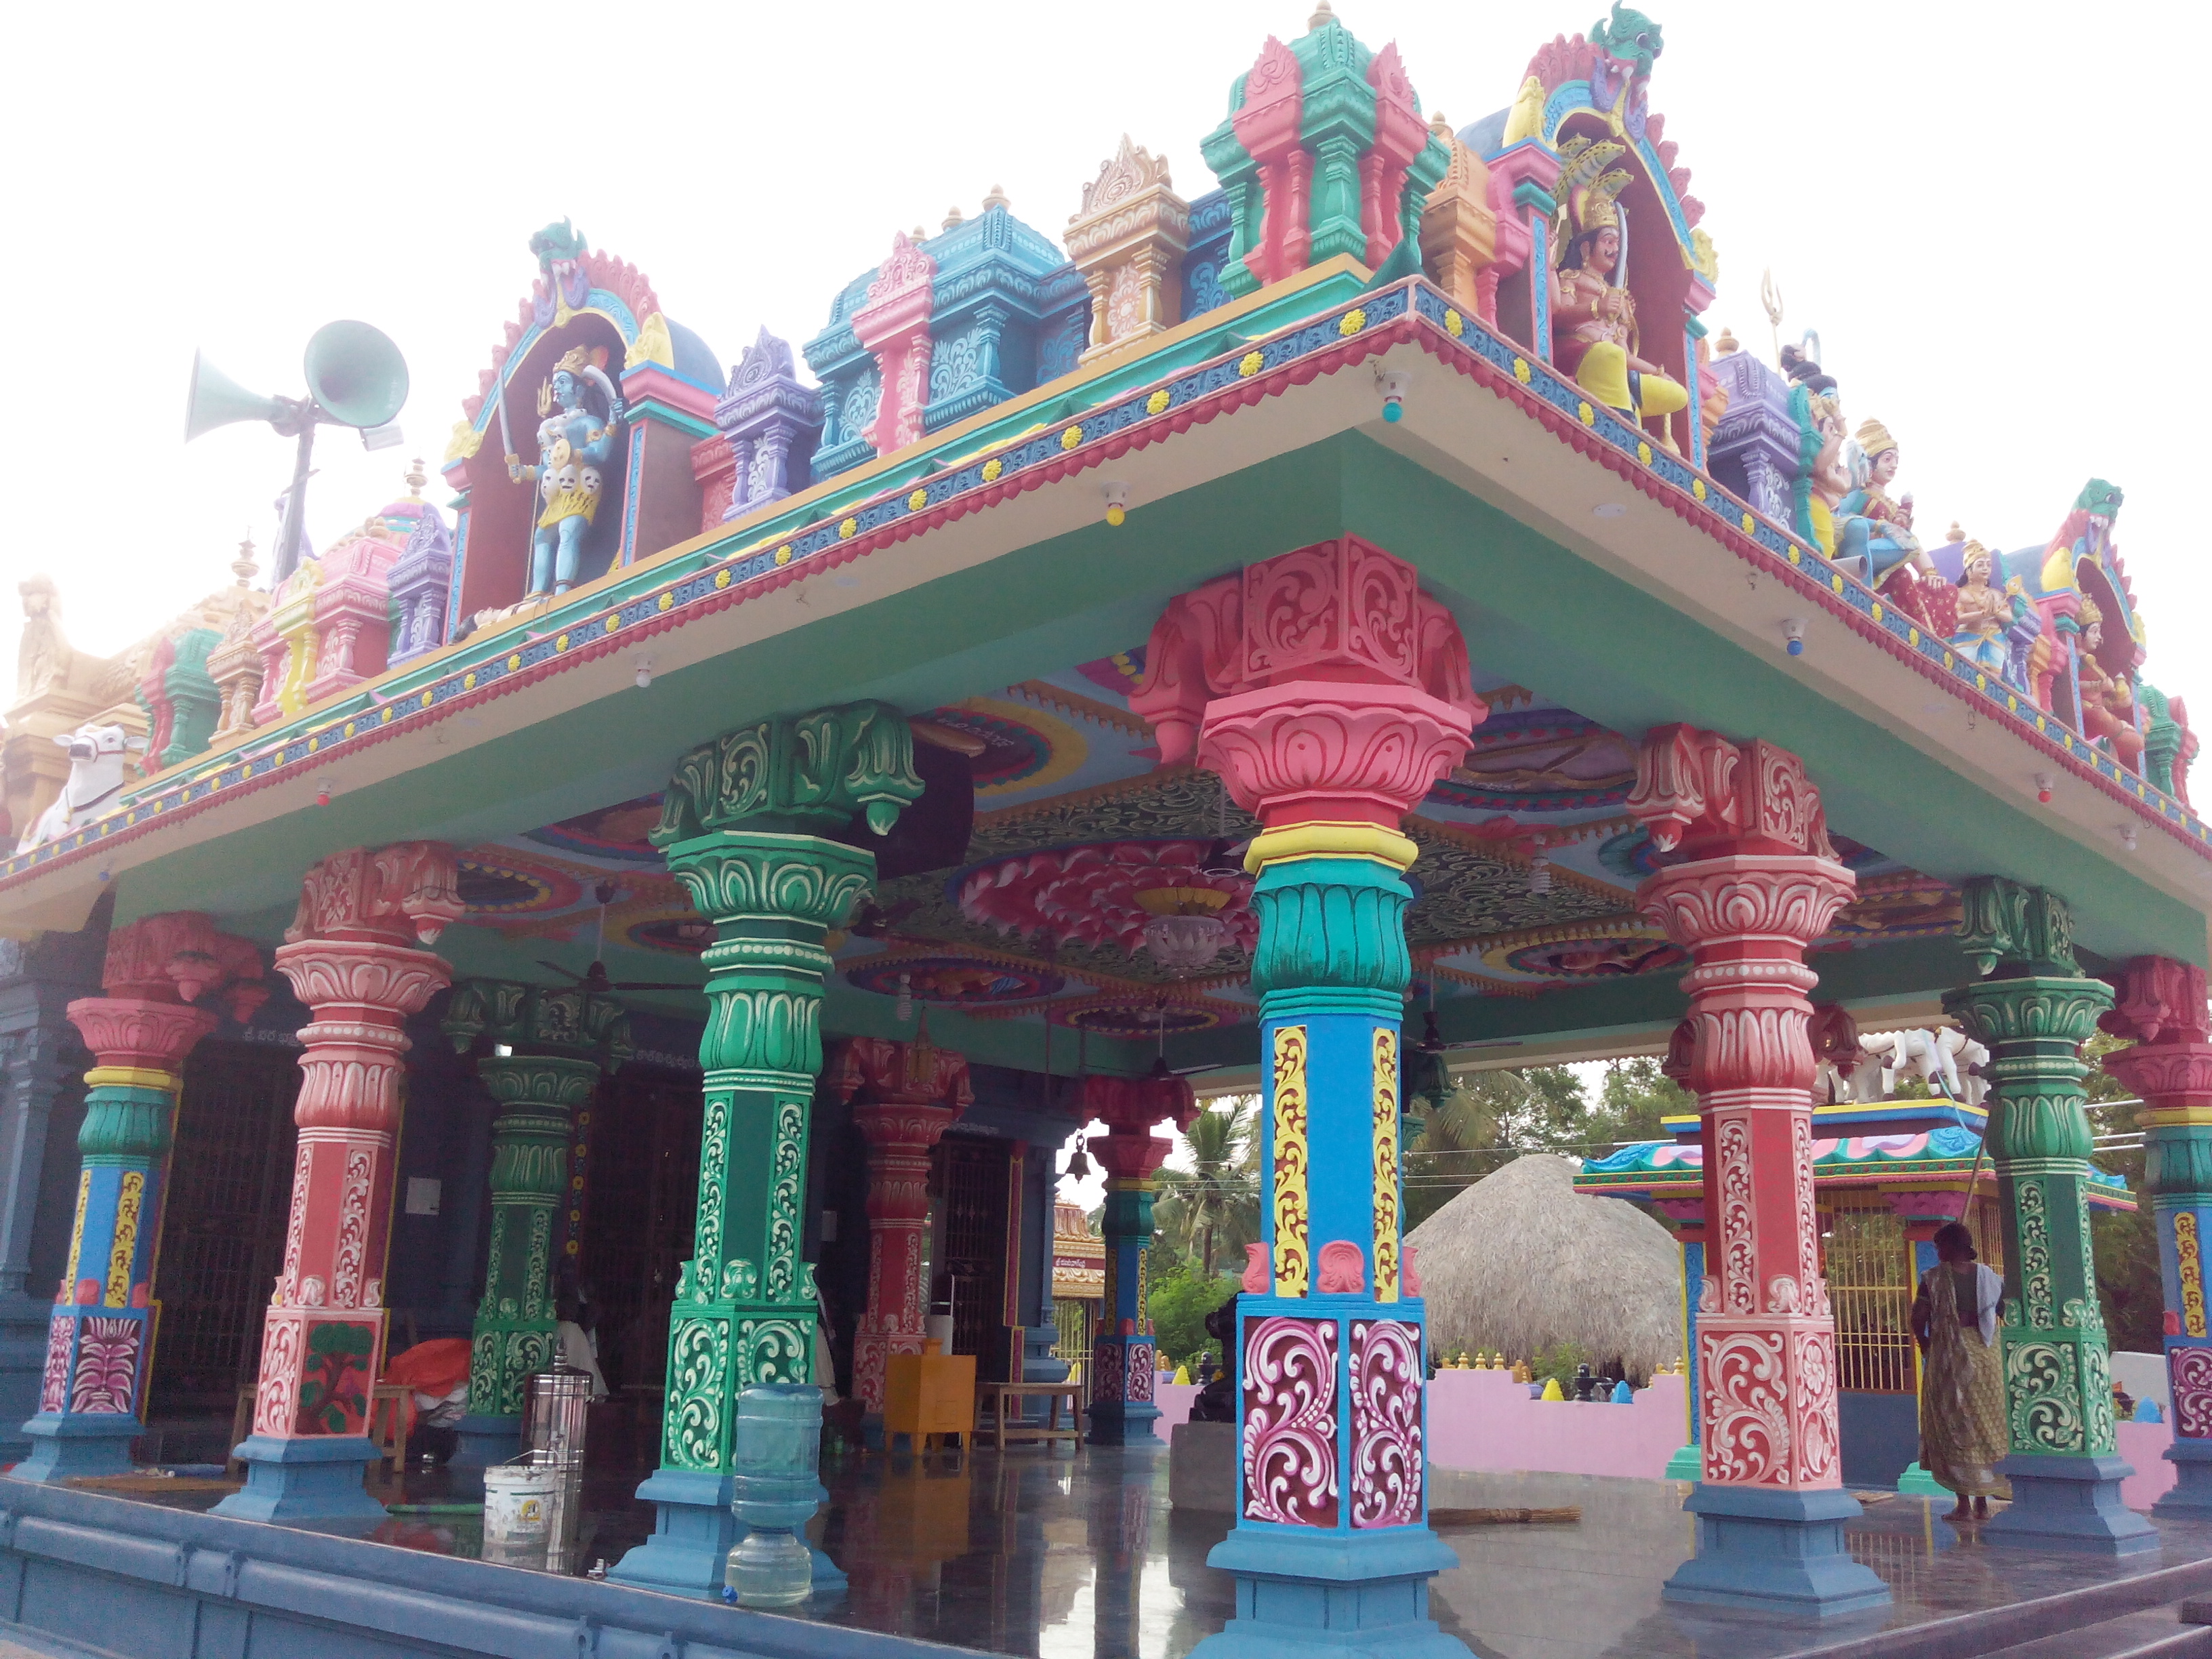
x=668, y=378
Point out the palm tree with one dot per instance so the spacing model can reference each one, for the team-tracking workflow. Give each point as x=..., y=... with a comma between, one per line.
x=1215, y=1204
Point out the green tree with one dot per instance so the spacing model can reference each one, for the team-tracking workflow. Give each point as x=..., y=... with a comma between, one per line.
x=2126, y=1245
x=1178, y=1306
x=1211, y=1209
x=1635, y=1095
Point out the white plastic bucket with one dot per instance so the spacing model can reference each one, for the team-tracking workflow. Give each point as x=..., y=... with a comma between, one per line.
x=518, y=1505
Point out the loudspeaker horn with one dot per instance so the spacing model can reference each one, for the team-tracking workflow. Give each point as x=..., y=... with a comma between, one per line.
x=355, y=374
x=214, y=399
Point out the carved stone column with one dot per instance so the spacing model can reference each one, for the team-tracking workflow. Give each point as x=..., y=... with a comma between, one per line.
x=1338, y=695
x=557, y=1044
x=1758, y=882
x=904, y=1096
x=166, y=975
x=1123, y=1356
x=2034, y=1011
x=745, y=826
x=351, y=956
x=2161, y=1005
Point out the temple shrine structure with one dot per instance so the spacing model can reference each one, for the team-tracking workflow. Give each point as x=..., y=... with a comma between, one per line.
x=691, y=865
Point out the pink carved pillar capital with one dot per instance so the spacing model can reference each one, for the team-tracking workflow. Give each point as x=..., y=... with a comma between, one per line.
x=1760, y=883
x=352, y=955
x=904, y=1096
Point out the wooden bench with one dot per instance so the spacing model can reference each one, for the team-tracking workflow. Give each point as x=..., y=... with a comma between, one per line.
x=991, y=1411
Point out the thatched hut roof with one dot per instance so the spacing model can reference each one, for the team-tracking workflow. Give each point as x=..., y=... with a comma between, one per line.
x=1521, y=1261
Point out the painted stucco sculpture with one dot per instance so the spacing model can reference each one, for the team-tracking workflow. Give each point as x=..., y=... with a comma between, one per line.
x=1123, y=1356
x=746, y=826
x=168, y=979
x=2033, y=1008
x=904, y=1096
x=548, y=1051
x=1757, y=882
x=1329, y=692
x=1126, y=240
x=770, y=422
x=354, y=954
x=575, y=444
x=2160, y=1005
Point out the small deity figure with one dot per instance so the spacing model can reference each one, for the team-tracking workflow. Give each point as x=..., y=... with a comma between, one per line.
x=2108, y=703
x=1594, y=332
x=1874, y=533
x=573, y=446
x=1997, y=626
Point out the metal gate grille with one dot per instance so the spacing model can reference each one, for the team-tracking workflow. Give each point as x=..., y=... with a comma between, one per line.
x=642, y=1217
x=974, y=1257
x=224, y=1216
x=1870, y=1283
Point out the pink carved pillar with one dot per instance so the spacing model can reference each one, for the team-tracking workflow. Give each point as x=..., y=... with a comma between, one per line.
x=1757, y=884
x=904, y=1096
x=2162, y=1005
x=894, y=324
x=1123, y=1354
x=351, y=956
x=166, y=977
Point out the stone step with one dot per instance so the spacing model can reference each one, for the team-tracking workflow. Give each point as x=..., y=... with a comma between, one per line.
x=2156, y=1633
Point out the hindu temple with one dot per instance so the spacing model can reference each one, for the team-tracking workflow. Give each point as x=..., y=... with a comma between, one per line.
x=695, y=865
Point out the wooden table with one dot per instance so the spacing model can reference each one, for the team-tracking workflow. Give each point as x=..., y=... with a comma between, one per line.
x=992, y=1410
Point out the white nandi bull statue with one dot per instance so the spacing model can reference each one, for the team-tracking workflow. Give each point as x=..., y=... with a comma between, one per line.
x=98, y=756
x=1943, y=1058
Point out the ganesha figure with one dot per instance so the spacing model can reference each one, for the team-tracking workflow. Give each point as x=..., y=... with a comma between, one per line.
x=1998, y=627
x=2108, y=702
x=1594, y=332
x=574, y=445
x=1874, y=533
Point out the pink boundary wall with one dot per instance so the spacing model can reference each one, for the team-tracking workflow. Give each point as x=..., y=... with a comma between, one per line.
x=1485, y=1420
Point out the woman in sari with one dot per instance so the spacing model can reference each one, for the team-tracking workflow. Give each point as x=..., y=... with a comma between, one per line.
x=1962, y=1411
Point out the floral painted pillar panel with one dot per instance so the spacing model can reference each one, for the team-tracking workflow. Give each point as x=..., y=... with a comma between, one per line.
x=2033, y=1009
x=167, y=976
x=2162, y=1007
x=904, y=1097
x=1124, y=1357
x=1756, y=882
x=1329, y=692
x=745, y=826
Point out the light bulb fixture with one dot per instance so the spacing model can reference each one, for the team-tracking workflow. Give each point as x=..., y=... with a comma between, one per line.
x=1609, y=510
x=1793, y=632
x=903, y=1008
x=323, y=787
x=1539, y=874
x=2128, y=836
x=644, y=673
x=1391, y=383
x=2043, y=785
x=1183, y=930
x=1117, y=502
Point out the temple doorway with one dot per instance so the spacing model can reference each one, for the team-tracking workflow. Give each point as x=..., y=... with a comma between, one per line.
x=639, y=1216
x=224, y=1216
x=970, y=1248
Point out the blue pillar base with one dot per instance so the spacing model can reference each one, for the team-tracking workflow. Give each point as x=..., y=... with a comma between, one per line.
x=691, y=1545
x=297, y=1481
x=23, y=1330
x=1777, y=1553
x=2070, y=1503
x=692, y=1540
x=486, y=1440
x=2190, y=1497
x=1688, y=1463
x=67, y=1446
x=1355, y=1596
x=1128, y=1423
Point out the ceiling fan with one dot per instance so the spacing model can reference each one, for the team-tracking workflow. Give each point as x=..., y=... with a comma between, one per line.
x=594, y=978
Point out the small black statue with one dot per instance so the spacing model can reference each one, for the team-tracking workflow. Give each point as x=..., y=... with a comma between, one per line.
x=1217, y=1401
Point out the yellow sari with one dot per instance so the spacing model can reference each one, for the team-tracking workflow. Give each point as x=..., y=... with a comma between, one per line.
x=1962, y=1408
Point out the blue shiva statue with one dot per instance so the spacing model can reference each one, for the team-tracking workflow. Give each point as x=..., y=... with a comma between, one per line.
x=574, y=445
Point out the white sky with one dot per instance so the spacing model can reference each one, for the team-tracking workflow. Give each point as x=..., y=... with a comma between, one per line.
x=1969, y=205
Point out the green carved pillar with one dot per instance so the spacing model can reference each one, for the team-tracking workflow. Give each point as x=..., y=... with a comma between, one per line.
x=2033, y=1009
x=751, y=825
x=548, y=1049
